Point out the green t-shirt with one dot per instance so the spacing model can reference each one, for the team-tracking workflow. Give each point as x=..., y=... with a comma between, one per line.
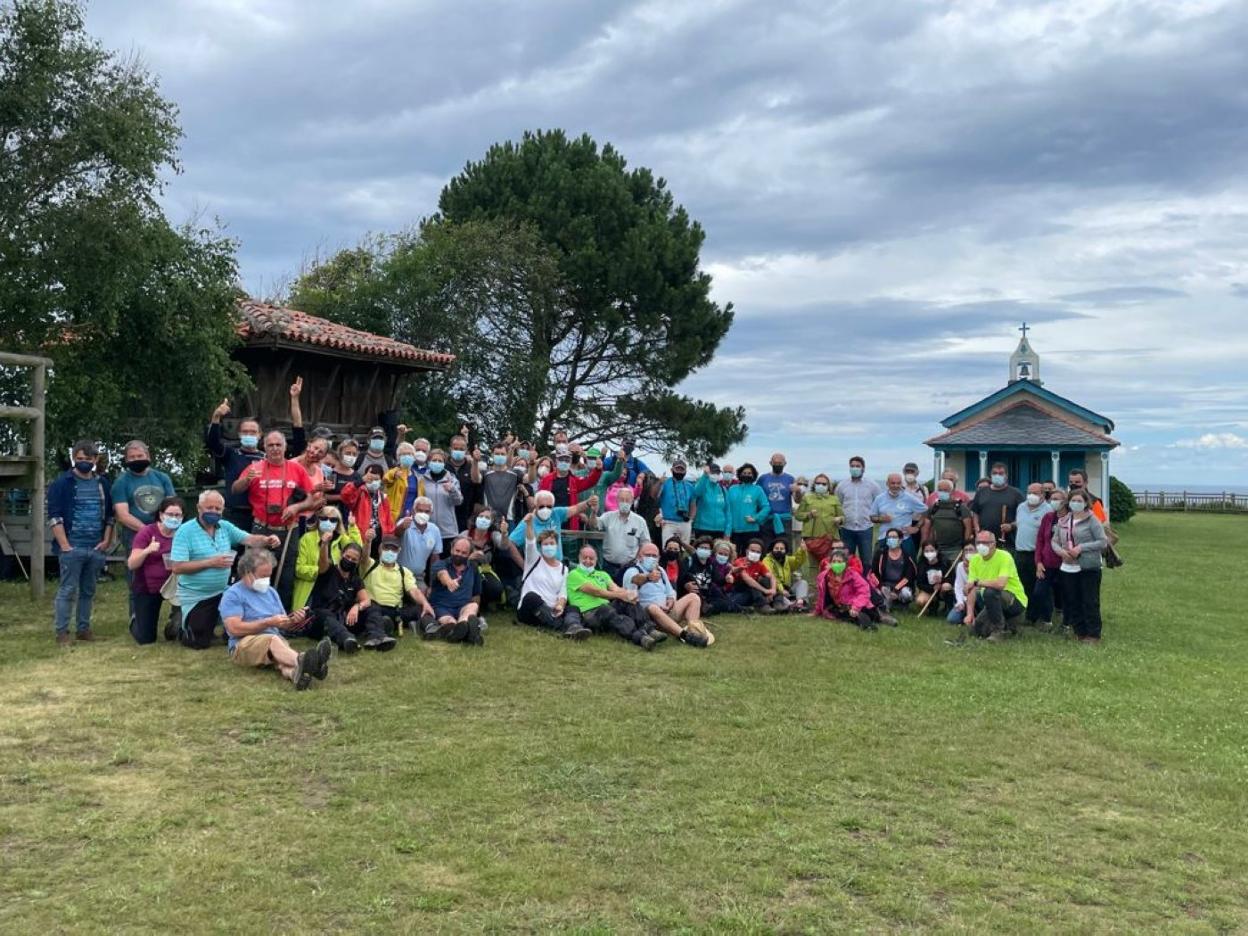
x=999, y=564
x=579, y=599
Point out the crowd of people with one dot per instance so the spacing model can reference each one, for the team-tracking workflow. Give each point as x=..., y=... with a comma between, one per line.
x=354, y=543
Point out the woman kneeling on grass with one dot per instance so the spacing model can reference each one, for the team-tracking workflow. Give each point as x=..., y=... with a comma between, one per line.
x=842, y=594
x=254, y=618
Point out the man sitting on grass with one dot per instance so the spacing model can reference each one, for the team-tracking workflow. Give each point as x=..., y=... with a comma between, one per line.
x=656, y=596
x=591, y=594
x=456, y=597
x=254, y=618
x=993, y=585
x=395, y=597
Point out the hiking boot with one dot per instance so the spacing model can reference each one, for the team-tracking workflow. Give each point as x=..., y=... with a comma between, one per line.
x=64, y=640
x=171, y=631
x=692, y=639
x=350, y=645
x=475, y=637
x=646, y=642
x=576, y=632
x=482, y=623
x=86, y=635
x=866, y=623
x=656, y=635
x=998, y=636
x=888, y=619
x=303, y=672
x=320, y=667
x=766, y=609
x=386, y=643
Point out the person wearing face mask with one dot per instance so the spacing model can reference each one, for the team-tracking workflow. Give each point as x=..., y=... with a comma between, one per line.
x=754, y=584
x=344, y=469
x=709, y=515
x=235, y=459
x=955, y=492
x=1027, y=519
x=1047, y=601
x=1077, y=480
x=201, y=556
x=786, y=572
x=947, y=523
x=748, y=507
x=501, y=485
x=339, y=604
x=137, y=493
x=320, y=548
x=148, y=564
x=895, y=570
x=993, y=507
x=722, y=597
x=696, y=571
x=442, y=489
x=934, y=580
x=254, y=619
x=369, y=509
x=313, y=462
x=421, y=541
x=777, y=484
x=394, y=595
x=821, y=517
x=898, y=509
x=957, y=614
x=455, y=595
x=995, y=600
x=678, y=616
x=571, y=478
x=468, y=473
x=632, y=466
x=857, y=494
x=80, y=511
x=493, y=554
x=842, y=594
x=1079, y=540
x=375, y=450
x=624, y=533
x=544, y=587
x=594, y=602
x=910, y=481
x=546, y=516
x=541, y=468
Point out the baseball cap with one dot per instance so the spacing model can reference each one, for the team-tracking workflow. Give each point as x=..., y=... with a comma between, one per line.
x=390, y=540
x=377, y=433
x=911, y=466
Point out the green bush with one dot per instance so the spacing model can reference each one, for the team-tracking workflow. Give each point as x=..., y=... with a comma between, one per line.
x=1121, y=501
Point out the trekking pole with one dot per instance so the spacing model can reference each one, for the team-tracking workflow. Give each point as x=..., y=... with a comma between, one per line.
x=931, y=600
x=281, y=563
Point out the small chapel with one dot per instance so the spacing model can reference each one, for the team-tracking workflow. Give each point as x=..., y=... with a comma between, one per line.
x=1037, y=434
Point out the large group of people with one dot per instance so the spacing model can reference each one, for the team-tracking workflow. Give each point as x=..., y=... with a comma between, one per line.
x=354, y=543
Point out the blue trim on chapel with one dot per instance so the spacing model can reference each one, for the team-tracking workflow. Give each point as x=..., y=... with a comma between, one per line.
x=1026, y=386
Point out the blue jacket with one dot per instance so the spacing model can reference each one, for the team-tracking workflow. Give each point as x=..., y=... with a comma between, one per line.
x=61, y=503
x=747, y=500
x=675, y=498
x=634, y=466
x=712, y=506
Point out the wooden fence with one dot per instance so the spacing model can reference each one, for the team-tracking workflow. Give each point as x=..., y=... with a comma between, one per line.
x=1188, y=502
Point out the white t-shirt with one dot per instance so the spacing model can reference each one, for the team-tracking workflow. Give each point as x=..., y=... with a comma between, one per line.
x=549, y=581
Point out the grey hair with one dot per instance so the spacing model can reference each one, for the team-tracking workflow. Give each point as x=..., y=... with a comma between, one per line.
x=138, y=443
x=209, y=492
x=253, y=559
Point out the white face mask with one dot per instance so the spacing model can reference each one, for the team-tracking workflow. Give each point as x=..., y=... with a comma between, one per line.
x=421, y=518
x=626, y=507
x=911, y=478
x=260, y=585
x=1033, y=500
x=422, y=457
x=1078, y=506
x=588, y=567
x=983, y=549
x=753, y=555
x=348, y=461
x=930, y=556
x=543, y=513
x=543, y=470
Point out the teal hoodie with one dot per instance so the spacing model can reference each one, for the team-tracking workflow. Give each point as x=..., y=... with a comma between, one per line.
x=712, y=504
x=747, y=500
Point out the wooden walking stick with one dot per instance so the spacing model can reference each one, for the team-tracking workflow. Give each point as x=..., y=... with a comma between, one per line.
x=930, y=601
x=281, y=563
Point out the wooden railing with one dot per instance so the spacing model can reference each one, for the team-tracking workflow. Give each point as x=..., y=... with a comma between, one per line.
x=1189, y=502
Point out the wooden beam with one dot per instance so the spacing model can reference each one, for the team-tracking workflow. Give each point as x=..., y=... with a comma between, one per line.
x=24, y=360
x=19, y=412
x=38, y=385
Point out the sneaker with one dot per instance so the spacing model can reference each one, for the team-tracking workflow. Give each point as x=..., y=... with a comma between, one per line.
x=303, y=672
x=656, y=635
x=646, y=642
x=700, y=628
x=171, y=631
x=888, y=619
x=997, y=636
x=323, y=650
x=483, y=623
x=86, y=635
x=372, y=643
x=692, y=639
x=64, y=640
x=386, y=643
x=576, y=632
x=475, y=637
x=350, y=645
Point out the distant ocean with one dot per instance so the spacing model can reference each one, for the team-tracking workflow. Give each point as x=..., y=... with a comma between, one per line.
x=1239, y=490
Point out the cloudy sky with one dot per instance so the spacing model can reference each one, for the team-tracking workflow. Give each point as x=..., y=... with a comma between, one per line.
x=888, y=189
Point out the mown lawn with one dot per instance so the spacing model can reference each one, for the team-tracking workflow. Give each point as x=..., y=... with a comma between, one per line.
x=799, y=776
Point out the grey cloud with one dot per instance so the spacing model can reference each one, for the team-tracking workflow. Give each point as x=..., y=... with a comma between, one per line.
x=1116, y=295
x=1240, y=290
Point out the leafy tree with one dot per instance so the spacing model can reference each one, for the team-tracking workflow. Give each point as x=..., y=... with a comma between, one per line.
x=1122, y=504
x=137, y=316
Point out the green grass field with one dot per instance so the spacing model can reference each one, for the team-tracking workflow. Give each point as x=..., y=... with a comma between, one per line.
x=798, y=776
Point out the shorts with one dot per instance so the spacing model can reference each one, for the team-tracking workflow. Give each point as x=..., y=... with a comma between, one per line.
x=253, y=650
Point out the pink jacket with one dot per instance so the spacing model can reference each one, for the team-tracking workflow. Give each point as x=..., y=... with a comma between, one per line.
x=853, y=592
x=612, y=500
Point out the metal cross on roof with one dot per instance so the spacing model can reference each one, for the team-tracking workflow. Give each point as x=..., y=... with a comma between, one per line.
x=1024, y=329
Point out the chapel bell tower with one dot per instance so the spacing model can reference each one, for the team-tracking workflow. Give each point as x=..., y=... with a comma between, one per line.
x=1024, y=362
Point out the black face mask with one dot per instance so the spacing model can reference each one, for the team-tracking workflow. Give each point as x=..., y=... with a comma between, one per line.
x=1076, y=485
x=747, y=478
x=777, y=469
x=678, y=475
x=779, y=554
x=459, y=560
x=348, y=565
x=673, y=554
x=139, y=465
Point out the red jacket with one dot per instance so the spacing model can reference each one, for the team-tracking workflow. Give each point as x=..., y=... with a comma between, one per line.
x=576, y=486
x=355, y=498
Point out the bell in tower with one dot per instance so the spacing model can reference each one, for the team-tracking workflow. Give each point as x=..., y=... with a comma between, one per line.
x=1024, y=362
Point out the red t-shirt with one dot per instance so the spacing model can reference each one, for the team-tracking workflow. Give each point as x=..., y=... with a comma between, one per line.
x=269, y=493
x=755, y=569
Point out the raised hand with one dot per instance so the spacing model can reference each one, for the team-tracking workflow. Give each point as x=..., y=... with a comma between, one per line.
x=296, y=388
x=222, y=410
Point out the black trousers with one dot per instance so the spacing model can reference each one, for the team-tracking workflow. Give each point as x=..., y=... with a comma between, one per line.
x=534, y=612
x=325, y=622
x=1040, y=607
x=603, y=620
x=1081, y=602
x=998, y=610
x=146, y=617
x=1025, y=562
x=389, y=618
x=199, y=627
x=492, y=590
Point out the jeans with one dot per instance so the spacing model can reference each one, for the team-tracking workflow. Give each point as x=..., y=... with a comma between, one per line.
x=860, y=542
x=80, y=570
x=146, y=622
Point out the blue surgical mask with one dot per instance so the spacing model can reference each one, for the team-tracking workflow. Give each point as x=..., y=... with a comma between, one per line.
x=523, y=454
x=649, y=563
x=893, y=542
x=210, y=517
x=550, y=550
x=407, y=460
x=821, y=489
x=499, y=460
x=721, y=558
x=376, y=445
x=327, y=526
x=855, y=472
x=703, y=553
x=389, y=556
x=625, y=506
x=172, y=523
x=458, y=455
x=998, y=480
x=483, y=522
x=587, y=567
x=249, y=441
x=437, y=467
x=373, y=486
x=943, y=496
x=580, y=473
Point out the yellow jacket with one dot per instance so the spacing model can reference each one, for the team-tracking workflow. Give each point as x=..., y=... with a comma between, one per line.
x=783, y=575
x=308, y=561
x=394, y=483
